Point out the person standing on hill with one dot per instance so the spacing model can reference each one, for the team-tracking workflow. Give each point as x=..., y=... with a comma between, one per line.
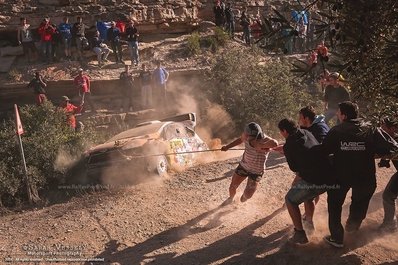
x=38, y=86
x=230, y=20
x=79, y=34
x=25, y=39
x=334, y=94
x=126, y=89
x=132, y=38
x=82, y=83
x=114, y=36
x=252, y=165
x=65, y=30
x=160, y=76
x=145, y=79
x=70, y=111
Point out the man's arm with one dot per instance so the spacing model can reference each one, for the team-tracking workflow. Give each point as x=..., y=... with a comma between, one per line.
x=234, y=143
x=19, y=35
x=264, y=144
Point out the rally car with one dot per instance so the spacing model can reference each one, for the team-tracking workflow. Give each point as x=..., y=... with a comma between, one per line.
x=151, y=147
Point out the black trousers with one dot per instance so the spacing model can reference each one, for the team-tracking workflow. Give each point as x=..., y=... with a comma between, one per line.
x=361, y=195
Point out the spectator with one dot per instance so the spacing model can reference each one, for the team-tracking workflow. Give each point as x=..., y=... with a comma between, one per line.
x=219, y=13
x=160, y=77
x=65, y=30
x=323, y=52
x=353, y=161
x=230, y=20
x=252, y=165
x=56, y=42
x=313, y=123
x=390, y=192
x=79, y=34
x=101, y=49
x=82, y=83
x=245, y=23
x=334, y=94
x=316, y=125
x=132, y=38
x=312, y=173
x=126, y=89
x=26, y=39
x=46, y=31
x=38, y=85
x=146, y=87
x=114, y=38
x=288, y=36
x=70, y=111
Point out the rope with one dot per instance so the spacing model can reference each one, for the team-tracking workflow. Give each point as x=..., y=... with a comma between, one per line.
x=177, y=153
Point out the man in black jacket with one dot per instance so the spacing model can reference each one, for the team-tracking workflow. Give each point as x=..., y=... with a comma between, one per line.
x=312, y=172
x=390, y=192
x=353, y=161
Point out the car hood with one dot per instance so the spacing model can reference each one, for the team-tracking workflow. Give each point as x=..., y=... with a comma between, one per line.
x=127, y=143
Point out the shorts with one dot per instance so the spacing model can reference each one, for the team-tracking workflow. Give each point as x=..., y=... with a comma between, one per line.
x=303, y=191
x=244, y=173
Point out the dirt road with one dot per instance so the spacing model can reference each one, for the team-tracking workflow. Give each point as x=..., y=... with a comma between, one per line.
x=178, y=221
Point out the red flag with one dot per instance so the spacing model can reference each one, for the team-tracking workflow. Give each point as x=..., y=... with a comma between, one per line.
x=18, y=121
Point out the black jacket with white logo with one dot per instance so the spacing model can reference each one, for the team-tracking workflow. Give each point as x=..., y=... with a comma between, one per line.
x=353, y=152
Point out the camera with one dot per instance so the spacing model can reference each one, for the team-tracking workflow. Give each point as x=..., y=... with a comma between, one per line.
x=384, y=163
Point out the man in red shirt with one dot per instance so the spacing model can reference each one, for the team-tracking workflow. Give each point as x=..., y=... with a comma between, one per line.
x=82, y=83
x=70, y=111
x=46, y=31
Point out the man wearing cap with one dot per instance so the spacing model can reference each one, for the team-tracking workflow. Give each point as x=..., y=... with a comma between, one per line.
x=252, y=165
x=70, y=111
x=132, y=38
x=334, y=94
x=82, y=83
x=113, y=35
x=312, y=172
x=38, y=86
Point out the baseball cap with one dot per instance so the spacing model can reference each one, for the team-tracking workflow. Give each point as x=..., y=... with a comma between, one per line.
x=80, y=70
x=253, y=129
x=65, y=98
x=335, y=75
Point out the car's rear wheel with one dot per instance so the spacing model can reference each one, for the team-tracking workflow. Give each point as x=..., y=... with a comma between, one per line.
x=161, y=166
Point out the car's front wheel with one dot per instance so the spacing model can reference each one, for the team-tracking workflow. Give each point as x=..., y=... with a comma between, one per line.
x=161, y=166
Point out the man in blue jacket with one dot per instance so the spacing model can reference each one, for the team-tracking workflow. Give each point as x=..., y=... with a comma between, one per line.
x=65, y=30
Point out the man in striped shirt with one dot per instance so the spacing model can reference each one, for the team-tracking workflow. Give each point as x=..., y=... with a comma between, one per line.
x=252, y=165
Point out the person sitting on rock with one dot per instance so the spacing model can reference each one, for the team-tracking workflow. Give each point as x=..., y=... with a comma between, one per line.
x=100, y=48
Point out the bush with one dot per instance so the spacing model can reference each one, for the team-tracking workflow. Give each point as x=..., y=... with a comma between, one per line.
x=193, y=44
x=250, y=91
x=46, y=135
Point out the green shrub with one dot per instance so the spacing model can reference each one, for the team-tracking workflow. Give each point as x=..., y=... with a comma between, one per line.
x=250, y=91
x=193, y=44
x=46, y=135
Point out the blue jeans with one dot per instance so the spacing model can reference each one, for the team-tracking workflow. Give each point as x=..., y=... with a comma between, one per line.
x=46, y=48
x=134, y=51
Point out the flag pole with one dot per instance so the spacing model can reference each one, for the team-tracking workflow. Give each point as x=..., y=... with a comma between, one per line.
x=32, y=192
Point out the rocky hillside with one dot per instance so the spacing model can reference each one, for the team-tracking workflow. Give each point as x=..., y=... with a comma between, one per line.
x=152, y=15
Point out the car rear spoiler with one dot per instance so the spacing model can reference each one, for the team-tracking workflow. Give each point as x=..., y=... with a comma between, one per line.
x=187, y=118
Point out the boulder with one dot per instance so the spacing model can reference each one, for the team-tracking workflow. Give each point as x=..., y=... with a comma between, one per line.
x=5, y=63
x=55, y=2
x=11, y=51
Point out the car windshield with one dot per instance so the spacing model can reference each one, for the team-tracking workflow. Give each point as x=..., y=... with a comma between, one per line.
x=139, y=131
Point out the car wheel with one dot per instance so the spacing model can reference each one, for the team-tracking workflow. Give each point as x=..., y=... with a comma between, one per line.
x=161, y=166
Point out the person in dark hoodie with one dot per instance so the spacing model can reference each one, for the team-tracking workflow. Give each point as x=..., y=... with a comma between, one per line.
x=353, y=161
x=312, y=170
x=316, y=125
x=390, y=193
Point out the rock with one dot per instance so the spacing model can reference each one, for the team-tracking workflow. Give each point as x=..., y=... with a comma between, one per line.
x=55, y=2
x=206, y=25
x=11, y=51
